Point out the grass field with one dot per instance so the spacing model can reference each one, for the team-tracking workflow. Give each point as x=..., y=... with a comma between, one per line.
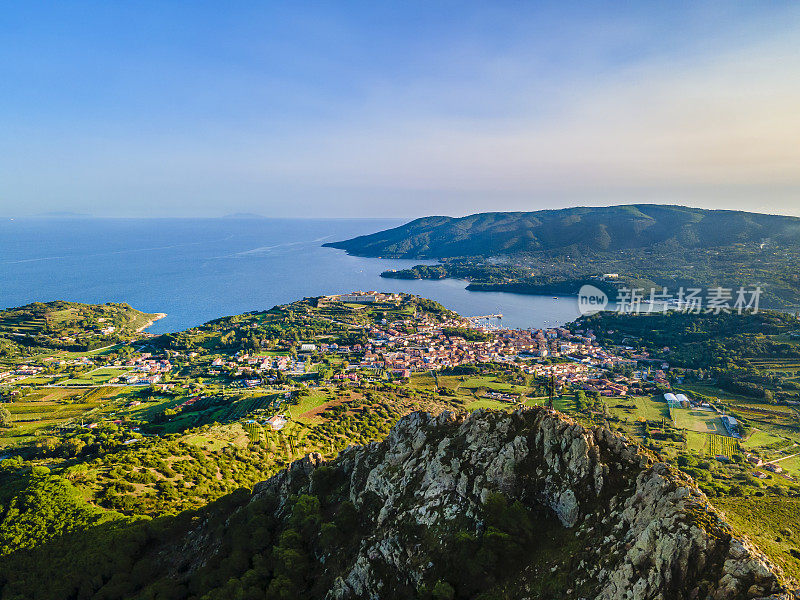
x=698, y=420
x=638, y=407
x=716, y=393
x=39, y=380
x=98, y=376
x=489, y=383
x=307, y=403
x=565, y=404
x=760, y=438
x=791, y=465
x=696, y=442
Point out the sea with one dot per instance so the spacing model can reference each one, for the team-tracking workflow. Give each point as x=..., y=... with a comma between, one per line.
x=195, y=270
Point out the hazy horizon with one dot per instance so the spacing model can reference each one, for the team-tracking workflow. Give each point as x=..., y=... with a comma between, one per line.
x=397, y=110
x=69, y=215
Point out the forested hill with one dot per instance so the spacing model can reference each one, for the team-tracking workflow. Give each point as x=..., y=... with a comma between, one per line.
x=487, y=506
x=584, y=229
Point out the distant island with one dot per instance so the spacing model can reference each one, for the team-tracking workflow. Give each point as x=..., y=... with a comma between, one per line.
x=556, y=251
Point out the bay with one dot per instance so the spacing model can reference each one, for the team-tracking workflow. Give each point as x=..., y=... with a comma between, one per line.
x=200, y=269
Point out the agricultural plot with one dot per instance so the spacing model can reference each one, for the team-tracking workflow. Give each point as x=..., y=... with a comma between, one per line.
x=790, y=464
x=39, y=380
x=782, y=416
x=696, y=442
x=698, y=420
x=760, y=438
x=719, y=445
x=638, y=407
x=491, y=383
x=98, y=376
x=313, y=400
x=782, y=365
x=52, y=407
x=254, y=431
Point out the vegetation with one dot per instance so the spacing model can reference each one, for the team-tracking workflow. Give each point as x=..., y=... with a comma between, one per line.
x=100, y=478
x=556, y=251
x=67, y=325
x=750, y=354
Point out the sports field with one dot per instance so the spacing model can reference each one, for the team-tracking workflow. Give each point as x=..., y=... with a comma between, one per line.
x=699, y=420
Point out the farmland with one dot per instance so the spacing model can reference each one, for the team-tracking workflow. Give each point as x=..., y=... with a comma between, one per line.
x=719, y=445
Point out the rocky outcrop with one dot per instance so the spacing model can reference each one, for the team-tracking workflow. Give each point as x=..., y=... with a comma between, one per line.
x=645, y=529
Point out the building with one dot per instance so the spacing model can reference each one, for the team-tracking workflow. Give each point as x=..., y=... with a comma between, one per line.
x=730, y=425
x=357, y=298
x=276, y=422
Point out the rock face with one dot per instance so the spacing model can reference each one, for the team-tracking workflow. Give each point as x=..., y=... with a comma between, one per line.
x=646, y=530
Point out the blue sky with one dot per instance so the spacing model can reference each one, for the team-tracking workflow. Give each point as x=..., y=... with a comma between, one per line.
x=396, y=108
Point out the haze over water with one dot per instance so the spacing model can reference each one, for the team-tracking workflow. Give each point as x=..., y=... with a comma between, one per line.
x=200, y=269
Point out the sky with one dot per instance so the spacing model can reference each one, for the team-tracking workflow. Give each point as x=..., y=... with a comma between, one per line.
x=396, y=109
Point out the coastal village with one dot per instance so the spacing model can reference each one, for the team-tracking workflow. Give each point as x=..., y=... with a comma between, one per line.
x=397, y=349
x=395, y=346
x=573, y=358
x=322, y=373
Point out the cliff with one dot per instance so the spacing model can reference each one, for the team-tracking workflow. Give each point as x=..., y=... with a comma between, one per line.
x=496, y=505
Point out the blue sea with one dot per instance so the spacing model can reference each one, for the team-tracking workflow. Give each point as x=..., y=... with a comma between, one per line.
x=195, y=270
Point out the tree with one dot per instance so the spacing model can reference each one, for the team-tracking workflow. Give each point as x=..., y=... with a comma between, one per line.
x=5, y=417
x=443, y=591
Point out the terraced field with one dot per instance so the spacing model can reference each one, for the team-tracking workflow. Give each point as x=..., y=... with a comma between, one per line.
x=51, y=407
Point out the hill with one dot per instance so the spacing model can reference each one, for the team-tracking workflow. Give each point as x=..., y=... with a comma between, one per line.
x=585, y=229
x=494, y=505
x=646, y=246
x=70, y=325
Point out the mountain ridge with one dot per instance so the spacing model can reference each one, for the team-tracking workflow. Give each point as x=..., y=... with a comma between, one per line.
x=593, y=229
x=491, y=505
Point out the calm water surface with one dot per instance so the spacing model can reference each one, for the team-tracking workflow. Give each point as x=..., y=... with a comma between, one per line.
x=199, y=269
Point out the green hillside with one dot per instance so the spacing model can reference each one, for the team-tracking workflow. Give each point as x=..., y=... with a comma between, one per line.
x=599, y=229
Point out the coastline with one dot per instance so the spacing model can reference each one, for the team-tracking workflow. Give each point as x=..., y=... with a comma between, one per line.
x=156, y=317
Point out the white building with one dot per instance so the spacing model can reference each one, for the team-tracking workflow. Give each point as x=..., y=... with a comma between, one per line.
x=358, y=298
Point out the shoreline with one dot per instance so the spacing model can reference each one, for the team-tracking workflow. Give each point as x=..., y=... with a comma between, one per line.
x=157, y=317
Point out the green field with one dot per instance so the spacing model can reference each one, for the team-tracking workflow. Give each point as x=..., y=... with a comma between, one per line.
x=307, y=403
x=792, y=464
x=98, y=376
x=696, y=442
x=490, y=383
x=698, y=420
x=636, y=408
x=760, y=438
